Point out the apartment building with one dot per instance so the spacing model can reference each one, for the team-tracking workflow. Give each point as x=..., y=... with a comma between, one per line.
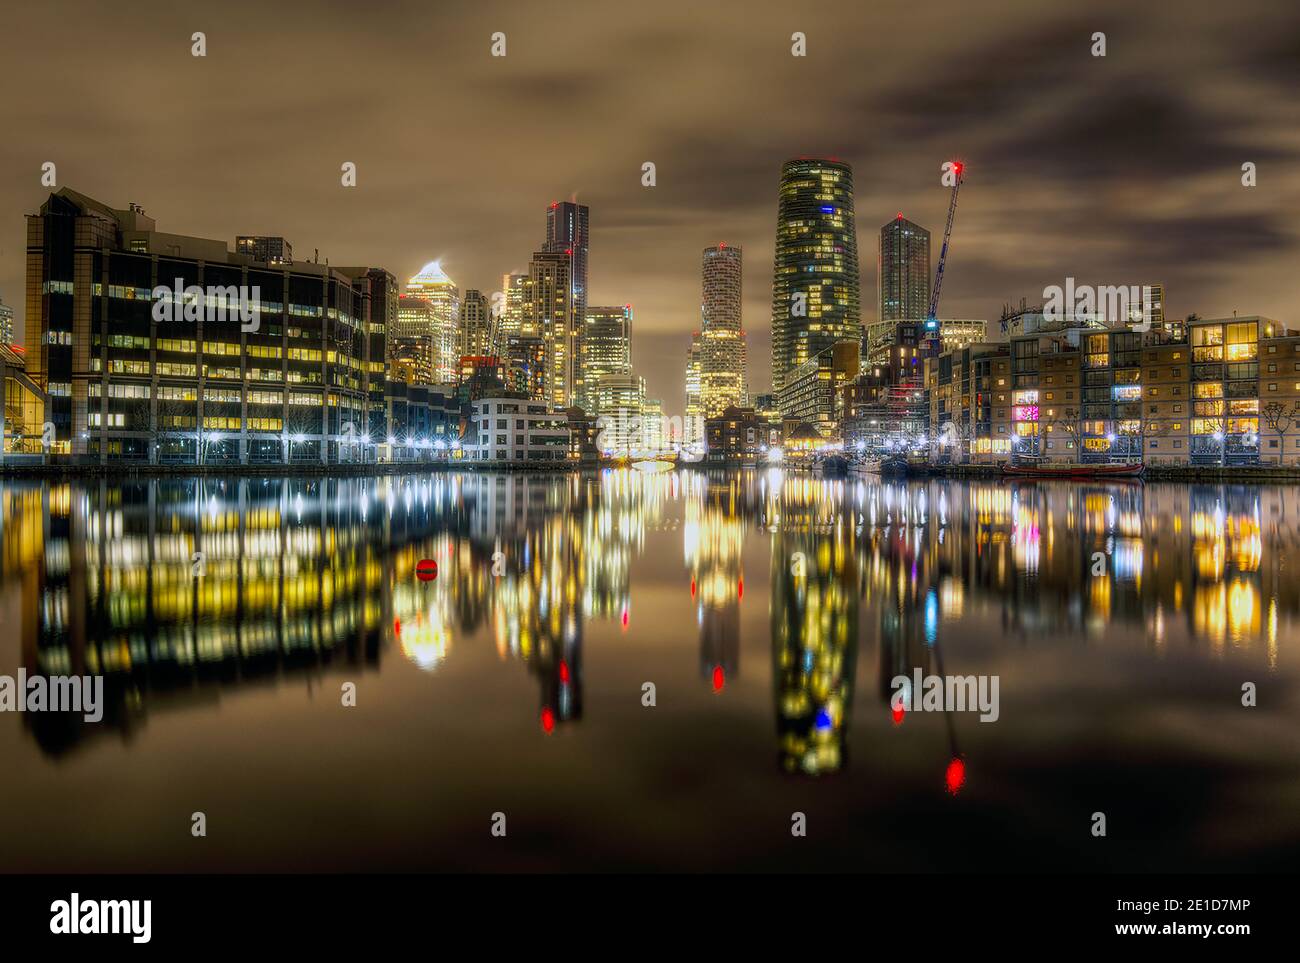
x=1227, y=395
x=960, y=390
x=814, y=391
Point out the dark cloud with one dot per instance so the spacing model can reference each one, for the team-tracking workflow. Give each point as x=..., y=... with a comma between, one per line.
x=1118, y=169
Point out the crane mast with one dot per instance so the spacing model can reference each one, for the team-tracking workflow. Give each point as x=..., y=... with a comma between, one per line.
x=932, y=318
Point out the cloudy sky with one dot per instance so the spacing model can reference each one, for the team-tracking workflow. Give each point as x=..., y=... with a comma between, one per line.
x=1116, y=170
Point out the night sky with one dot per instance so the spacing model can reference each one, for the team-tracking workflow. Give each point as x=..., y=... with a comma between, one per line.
x=1117, y=170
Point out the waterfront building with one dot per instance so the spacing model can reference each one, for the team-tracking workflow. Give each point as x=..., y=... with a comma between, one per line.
x=516, y=431
x=584, y=432
x=22, y=414
x=739, y=436
x=377, y=290
x=813, y=393
x=658, y=434
x=125, y=383
x=959, y=390
x=903, y=276
x=619, y=401
x=815, y=284
x=1228, y=395
x=1225, y=385
x=423, y=422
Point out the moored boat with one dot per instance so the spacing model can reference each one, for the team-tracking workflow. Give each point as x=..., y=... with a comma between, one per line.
x=1074, y=470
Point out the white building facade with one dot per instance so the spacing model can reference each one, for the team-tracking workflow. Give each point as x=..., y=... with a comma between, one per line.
x=516, y=431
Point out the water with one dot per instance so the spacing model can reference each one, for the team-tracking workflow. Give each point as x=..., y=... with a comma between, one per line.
x=769, y=612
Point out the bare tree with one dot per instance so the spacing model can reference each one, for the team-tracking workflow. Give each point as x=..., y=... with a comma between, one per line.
x=1067, y=423
x=1279, y=421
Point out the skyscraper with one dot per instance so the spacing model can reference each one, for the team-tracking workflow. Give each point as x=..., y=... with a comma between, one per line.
x=551, y=309
x=567, y=233
x=606, y=349
x=815, y=286
x=694, y=403
x=722, y=340
x=433, y=285
x=478, y=330
x=903, y=271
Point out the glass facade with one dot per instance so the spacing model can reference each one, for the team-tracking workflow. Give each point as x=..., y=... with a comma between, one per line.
x=815, y=285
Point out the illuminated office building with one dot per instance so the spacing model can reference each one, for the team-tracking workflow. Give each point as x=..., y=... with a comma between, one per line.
x=441, y=318
x=619, y=400
x=815, y=286
x=722, y=339
x=124, y=385
x=903, y=271
x=377, y=290
x=410, y=360
x=22, y=414
x=606, y=348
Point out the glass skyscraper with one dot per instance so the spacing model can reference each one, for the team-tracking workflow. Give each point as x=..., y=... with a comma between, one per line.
x=815, y=285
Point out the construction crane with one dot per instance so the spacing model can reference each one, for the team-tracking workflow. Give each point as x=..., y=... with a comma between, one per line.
x=932, y=318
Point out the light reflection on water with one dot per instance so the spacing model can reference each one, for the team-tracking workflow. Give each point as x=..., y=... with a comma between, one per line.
x=788, y=601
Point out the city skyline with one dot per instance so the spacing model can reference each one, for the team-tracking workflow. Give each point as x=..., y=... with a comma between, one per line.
x=1162, y=170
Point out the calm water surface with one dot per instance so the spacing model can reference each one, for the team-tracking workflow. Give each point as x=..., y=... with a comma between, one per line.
x=770, y=613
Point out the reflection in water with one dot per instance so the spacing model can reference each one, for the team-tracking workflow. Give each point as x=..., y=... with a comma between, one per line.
x=306, y=577
x=814, y=618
